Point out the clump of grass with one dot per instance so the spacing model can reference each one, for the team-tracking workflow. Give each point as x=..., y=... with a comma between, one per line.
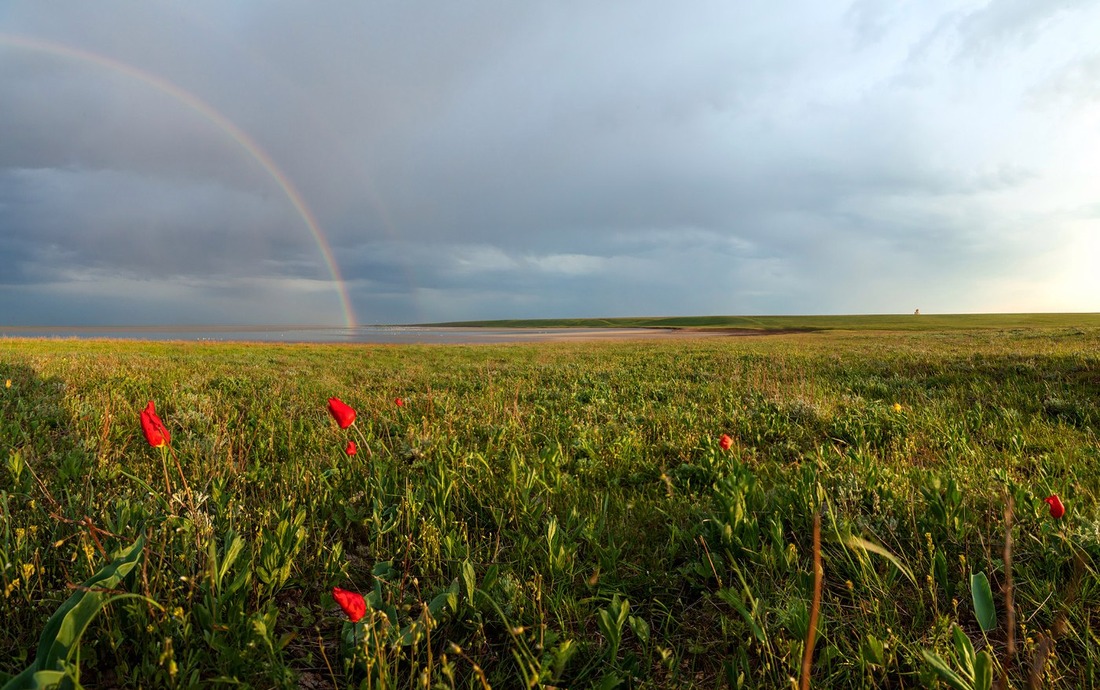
x=560, y=514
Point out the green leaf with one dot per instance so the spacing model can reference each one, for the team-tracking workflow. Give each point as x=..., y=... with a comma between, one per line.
x=232, y=550
x=944, y=671
x=940, y=567
x=469, y=578
x=872, y=651
x=983, y=671
x=65, y=627
x=54, y=680
x=446, y=600
x=984, y=610
x=965, y=650
x=561, y=656
x=734, y=599
x=640, y=628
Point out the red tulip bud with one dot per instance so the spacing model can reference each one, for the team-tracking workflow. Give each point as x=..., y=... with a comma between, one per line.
x=155, y=432
x=343, y=414
x=352, y=449
x=725, y=442
x=1057, y=510
x=353, y=604
x=399, y=402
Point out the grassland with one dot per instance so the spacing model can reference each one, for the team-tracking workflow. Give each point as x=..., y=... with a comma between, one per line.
x=562, y=514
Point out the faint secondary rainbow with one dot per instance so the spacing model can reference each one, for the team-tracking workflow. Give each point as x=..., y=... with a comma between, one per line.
x=222, y=122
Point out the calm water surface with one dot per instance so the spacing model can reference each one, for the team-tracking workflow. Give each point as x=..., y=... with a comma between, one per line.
x=300, y=334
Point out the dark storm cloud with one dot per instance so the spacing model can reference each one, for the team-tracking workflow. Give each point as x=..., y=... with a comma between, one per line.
x=538, y=159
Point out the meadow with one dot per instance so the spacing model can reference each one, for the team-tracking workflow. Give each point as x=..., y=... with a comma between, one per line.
x=558, y=514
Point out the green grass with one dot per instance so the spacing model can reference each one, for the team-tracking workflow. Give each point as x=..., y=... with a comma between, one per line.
x=859, y=322
x=560, y=513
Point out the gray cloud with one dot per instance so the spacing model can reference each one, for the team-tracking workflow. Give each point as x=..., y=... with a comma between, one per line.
x=1001, y=21
x=539, y=159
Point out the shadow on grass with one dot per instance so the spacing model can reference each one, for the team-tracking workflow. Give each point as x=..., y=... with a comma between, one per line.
x=43, y=466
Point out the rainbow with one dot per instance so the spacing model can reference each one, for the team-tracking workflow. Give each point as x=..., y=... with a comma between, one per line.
x=221, y=122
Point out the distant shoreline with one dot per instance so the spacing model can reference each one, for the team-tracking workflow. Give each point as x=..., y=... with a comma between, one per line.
x=549, y=330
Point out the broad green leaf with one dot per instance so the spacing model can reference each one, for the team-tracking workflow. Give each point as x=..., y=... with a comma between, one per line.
x=61, y=680
x=232, y=550
x=983, y=671
x=984, y=610
x=470, y=579
x=64, y=628
x=443, y=601
x=944, y=671
x=965, y=651
x=640, y=628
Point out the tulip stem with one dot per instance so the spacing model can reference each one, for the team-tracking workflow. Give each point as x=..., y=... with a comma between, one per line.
x=186, y=486
x=363, y=445
x=362, y=440
x=164, y=465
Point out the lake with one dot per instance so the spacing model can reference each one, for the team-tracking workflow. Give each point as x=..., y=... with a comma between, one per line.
x=322, y=334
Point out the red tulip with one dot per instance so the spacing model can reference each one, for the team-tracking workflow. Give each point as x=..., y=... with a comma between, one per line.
x=399, y=402
x=343, y=414
x=155, y=432
x=725, y=442
x=351, y=449
x=353, y=604
x=1057, y=510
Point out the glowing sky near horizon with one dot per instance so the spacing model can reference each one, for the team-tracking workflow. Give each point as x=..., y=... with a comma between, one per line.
x=410, y=162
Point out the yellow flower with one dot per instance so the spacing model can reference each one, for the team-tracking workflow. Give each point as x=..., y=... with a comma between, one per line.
x=7, y=383
x=28, y=571
x=8, y=590
x=897, y=407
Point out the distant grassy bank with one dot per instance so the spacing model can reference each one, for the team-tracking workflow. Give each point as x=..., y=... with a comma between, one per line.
x=563, y=514
x=861, y=322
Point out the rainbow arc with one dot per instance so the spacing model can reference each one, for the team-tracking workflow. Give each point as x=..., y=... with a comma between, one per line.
x=220, y=121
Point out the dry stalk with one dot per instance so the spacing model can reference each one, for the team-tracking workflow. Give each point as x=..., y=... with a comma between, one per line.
x=815, y=606
x=1010, y=605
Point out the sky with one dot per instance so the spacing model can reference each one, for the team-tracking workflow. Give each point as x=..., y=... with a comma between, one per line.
x=341, y=163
